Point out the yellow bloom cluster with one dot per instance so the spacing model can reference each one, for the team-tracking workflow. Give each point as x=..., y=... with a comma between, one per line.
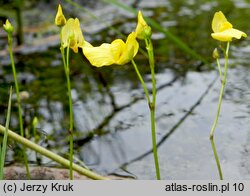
x=118, y=52
x=223, y=30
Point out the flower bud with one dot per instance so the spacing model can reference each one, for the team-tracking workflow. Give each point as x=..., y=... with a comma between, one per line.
x=60, y=19
x=216, y=54
x=8, y=27
x=148, y=31
x=142, y=31
x=35, y=122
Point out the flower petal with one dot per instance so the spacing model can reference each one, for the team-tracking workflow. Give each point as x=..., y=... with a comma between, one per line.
x=67, y=32
x=220, y=22
x=228, y=34
x=131, y=42
x=130, y=50
x=221, y=37
x=72, y=35
x=117, y=49
x=117, y=52
x=99, y=56
x=78, y=33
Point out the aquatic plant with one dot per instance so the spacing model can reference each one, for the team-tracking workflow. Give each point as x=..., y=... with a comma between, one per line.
x=9, y=30
x=118, y=52
x=121, y=53
x=143, y=31
x=71, y=37
x=224, y=32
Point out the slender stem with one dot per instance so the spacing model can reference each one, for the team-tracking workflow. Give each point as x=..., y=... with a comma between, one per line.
x=16, y=85
x=152, y=105
x=18, y=102
x=216, y=159
x=223, y=83
x=51, y=155
x=142, y=81
x=154, y=143
x=69, y=92
x=5, y=137
x=70, y=115
x=36, y=137
x=228, y=45
x=67, y=74
x=149, y=48
x=219, y=69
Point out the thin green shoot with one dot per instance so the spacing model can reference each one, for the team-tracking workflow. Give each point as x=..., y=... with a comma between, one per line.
x=71, y=125
x=18, y=100
x=223, y=83
x=5, y=137
x=152, y=105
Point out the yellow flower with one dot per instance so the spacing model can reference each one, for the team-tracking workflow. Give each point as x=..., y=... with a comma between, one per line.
x=8, y=27
x=223, y=30
x=117, y=52
x=72, y=35
x=60, y=20
x=142, y=29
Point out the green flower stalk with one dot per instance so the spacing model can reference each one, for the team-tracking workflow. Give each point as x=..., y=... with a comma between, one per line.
x=9, y=30
x=71, y=37
x=224, y=32
x=120, y=52
x=143, y=31
x=71, y=125
x=223, y=78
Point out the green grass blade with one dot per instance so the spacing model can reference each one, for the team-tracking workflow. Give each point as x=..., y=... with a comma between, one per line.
x=5, y=137
x=184, y=47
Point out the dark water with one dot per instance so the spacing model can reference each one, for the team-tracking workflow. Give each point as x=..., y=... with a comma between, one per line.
x=112, y=126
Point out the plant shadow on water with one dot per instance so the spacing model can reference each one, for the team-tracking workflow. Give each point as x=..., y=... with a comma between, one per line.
x=111, y=115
